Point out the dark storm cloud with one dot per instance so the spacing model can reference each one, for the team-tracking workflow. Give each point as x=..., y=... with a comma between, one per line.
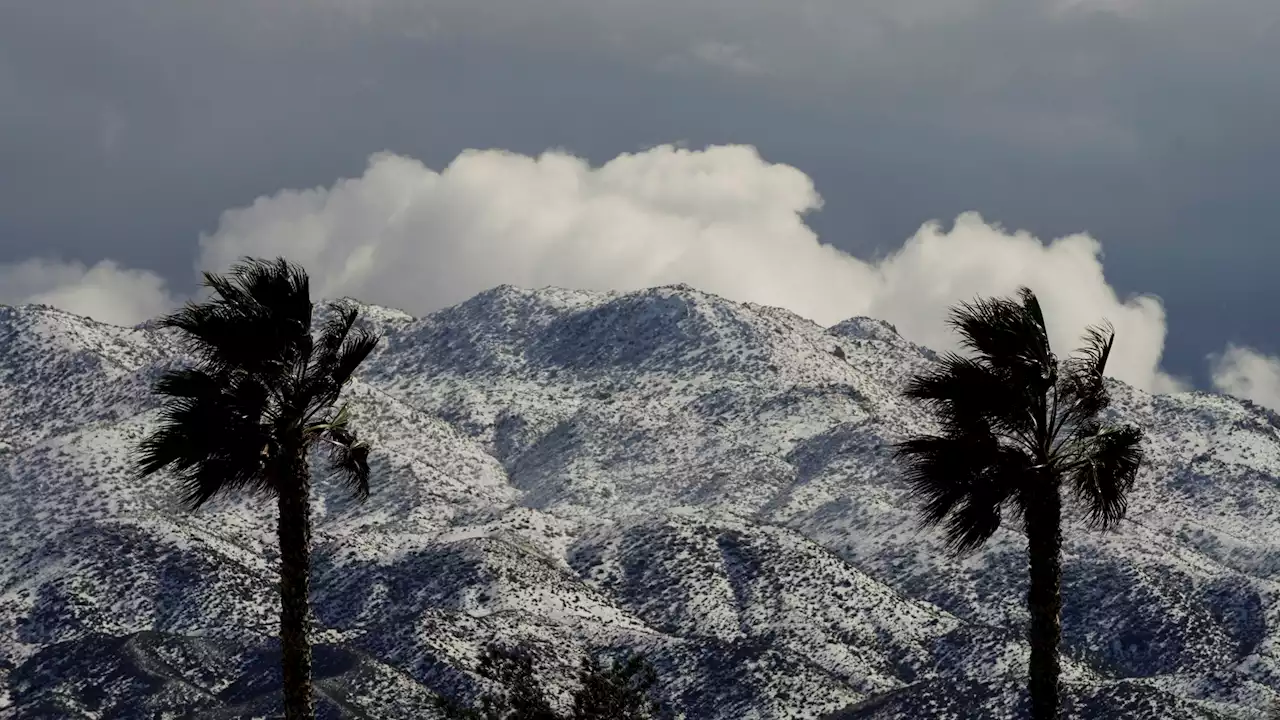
x=127, y=126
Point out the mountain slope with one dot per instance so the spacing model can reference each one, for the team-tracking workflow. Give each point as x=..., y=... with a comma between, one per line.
x=706, y=481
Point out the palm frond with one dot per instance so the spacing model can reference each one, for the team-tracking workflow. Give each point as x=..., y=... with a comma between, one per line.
x=969, y=397
x=964, y=482
x=348, y=457
x=226, y=338
x=257, y=322
x=1083, y=376
x=210, y=435
x=188, y=383
x=358, y=345
x=342, y=347
x=1007, y=335
x=1081, y=389
x=278, y=284
x=1105, y=469
x=1096, y=350
x=1031, y=305
x=333, y=333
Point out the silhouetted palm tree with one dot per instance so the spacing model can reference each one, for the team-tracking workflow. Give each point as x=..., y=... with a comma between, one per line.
x=246, y=416
x=1017, y=426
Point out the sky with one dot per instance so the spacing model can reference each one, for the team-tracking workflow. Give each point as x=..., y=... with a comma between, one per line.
x=881, y=157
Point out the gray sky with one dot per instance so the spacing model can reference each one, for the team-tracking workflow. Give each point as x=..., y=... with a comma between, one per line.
x=127, y=127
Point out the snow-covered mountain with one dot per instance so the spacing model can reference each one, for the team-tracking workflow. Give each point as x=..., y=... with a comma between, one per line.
x=706, y=481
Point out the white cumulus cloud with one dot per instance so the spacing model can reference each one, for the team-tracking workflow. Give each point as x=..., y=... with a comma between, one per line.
x=105, y=292
x=937, y=268
x=1247, y=373
x=722, y=219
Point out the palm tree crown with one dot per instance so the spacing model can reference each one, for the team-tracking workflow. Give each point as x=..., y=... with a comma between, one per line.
x=1013, y=418
x=262, y=390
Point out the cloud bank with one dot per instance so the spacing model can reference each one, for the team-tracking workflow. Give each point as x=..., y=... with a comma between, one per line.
x=105, y=292
x=1247, y=373
x=722, y=219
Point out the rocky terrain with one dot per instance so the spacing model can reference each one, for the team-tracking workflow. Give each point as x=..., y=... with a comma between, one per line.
x=704, y=481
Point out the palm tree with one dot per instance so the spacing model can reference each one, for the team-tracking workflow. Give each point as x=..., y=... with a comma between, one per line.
x=260, y=396
x=1016, y=427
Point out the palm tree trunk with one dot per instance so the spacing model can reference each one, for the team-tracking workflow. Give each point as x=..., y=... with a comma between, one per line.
x=294, y=530
x=1044, y=599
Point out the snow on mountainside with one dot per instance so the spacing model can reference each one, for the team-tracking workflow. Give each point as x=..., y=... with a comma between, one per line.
x=706, y=481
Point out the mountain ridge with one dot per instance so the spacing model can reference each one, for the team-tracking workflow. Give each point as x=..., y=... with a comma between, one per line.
x=664, y=470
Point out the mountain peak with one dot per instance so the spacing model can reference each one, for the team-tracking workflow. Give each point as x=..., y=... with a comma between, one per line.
x=865, y=328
